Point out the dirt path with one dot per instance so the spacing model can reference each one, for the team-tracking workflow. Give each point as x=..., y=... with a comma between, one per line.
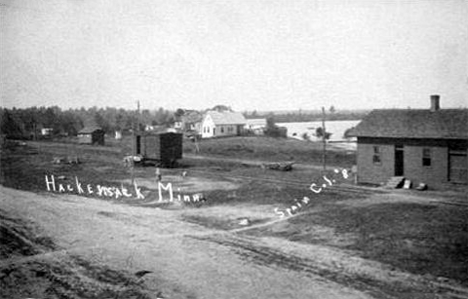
x=184, y=264
x=191, y=261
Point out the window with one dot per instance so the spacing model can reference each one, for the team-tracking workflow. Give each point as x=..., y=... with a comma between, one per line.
x=426, y=159
x=376, y=155
x=222, y=129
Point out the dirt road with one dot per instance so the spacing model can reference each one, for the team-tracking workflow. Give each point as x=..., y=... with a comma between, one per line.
x=187, y=260
x=185, y=264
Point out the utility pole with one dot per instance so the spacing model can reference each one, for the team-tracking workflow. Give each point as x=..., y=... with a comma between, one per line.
x=35, y=130
x=324, y=134
x=134, y=142
x=133, y=152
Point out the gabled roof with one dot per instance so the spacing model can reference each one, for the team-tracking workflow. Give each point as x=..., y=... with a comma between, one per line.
x=90, y=129
x=409, y=123
x=192, y=116
x=227, y=118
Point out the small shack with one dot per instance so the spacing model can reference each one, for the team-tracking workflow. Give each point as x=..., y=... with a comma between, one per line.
x=91, y=135
x=162, y=147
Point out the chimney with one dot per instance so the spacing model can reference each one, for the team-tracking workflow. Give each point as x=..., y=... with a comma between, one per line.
x=435, y=105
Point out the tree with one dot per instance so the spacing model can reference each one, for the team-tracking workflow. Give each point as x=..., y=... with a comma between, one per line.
x=164, y=117
x=272, y=129
x=305, y=136
x=179, y=112
x=119, y=121
x=332, y=109
x=349, y=133
x=221, y=108
x=10, y=125
x=50, y=118
x=321, y=133
x=101, y=122
x=70, y=123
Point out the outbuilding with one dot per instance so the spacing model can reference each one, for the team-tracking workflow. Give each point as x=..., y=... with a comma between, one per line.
x=256, y=126
x=91, y=135
x=423, y=145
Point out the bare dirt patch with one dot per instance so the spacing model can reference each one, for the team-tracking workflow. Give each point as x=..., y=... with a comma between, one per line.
x=20, y=239
x=31, y=266
x=232, y=216
x=186, y=185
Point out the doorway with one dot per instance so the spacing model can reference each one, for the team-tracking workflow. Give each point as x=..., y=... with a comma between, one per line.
x=399, y=160
x=458, y=170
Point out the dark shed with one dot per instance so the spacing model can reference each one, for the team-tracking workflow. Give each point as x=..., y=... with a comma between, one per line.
x=165, y=147
x=91, y=135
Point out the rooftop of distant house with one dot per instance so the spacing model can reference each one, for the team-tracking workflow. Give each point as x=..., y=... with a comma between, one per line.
x=89, y=129
x=227, y=118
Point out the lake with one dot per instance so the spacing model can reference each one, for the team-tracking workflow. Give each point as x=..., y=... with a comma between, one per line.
x=336, y=127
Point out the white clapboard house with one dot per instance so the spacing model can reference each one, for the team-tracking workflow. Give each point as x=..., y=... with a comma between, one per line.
x=222, y=124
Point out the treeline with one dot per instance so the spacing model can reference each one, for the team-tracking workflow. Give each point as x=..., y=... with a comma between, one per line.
x=28, y=123
x=308, y=116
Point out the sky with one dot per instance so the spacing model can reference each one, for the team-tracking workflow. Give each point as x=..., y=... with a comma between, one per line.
x=247, y=54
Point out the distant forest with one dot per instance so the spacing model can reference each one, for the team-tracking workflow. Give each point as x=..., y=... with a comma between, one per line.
x=27, y=123
x=308, y=115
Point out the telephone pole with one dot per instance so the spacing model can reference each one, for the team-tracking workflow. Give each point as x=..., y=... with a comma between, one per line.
x=134, y=142
x=324, y=135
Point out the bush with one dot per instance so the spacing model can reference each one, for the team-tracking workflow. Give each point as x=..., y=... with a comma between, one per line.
x=273, y=130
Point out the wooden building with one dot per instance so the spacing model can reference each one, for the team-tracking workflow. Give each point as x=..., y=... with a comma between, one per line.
x=222, y=124
x=423, y=145
x=162, y=147
x=189, y=122
x=256, y=126
x=91, y=135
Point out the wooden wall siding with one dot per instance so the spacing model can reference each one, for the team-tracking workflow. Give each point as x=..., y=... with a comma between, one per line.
x=434, y=175
x=85, y=138
x=162, y=147
x=375, y=173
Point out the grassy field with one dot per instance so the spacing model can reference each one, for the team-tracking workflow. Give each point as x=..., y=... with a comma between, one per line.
x=246, y=147
x=419, y=238
x=402, y=230
x=258, y=148
x=273, y=149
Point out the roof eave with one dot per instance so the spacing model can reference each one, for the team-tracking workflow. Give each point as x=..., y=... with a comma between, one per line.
x=412, y=137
